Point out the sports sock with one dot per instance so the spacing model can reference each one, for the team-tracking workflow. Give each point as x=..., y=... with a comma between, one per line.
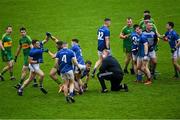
x=139, y=77
x=41, y=84
x=35, y=80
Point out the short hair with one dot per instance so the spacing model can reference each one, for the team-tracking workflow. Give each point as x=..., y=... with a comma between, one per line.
x=75, y=40
x=107, y=19
x=88, y=62
x=59, y=43
x=34, y=42
x=129, y=18
x=146, y=11
x=135, y=26
x=147, y=17
x=171, y=24
x=8, y=27
x=22, y=28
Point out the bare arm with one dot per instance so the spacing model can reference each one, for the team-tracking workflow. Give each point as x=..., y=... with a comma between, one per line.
x=1, y=46
x=178, y=43
x=31, y=61
x=122, y=36
x=54, y=39
x=52, y=55
x=107, y=42
x=18, y=51
x=74, y=60
x=146, y=48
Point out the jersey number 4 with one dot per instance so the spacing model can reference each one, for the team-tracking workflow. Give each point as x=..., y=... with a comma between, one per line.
x=64, y=59
x=100, y=35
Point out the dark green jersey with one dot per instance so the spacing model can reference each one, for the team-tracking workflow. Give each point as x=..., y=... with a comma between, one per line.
x=25, y=43
x=142, y=21
x=143, y=25
x=127, y=42
x=7, y=42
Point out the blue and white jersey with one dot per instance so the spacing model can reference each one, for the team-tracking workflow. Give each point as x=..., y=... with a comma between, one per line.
x=102, y=33
x=36, y=54
x=65, y=57
x=172, y=38
x=142, y=40
x=78, y=52
x=135, y=43
x=152, y=39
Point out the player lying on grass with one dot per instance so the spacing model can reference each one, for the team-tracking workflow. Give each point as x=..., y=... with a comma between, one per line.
x=103, y=42
x=65, y=59
x=174, y=42
x=142, y=55
x=127, y=43
x=110, y=70
x=25, y=44
x=35, y=59
x=6, y=52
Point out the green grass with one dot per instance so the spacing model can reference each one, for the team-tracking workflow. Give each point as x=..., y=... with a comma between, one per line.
x=80, y=19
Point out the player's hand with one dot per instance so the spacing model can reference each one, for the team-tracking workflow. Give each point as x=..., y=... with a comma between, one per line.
x=165, y=38
x=39, y=61
x=173, y=50
x=15, y=59
x=45, y=50
x=48, y=34
x=145, y=58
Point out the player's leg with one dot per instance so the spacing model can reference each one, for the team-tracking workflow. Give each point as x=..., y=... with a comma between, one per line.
x=153, y=62
x=139, y=69
x=11, y=65
x=102, y=77
x=175, y=63
x=98, y=63
x=127, y=61
x=40, y=73
x=4, y=70
x=53, y=73
x=26, y=83
x=23, y=76
x=147, y=72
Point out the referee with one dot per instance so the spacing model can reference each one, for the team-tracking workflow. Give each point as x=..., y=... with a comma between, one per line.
x=111, y=70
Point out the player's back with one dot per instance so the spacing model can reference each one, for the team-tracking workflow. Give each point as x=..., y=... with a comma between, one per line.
x=102, y=33
x=78, y=52
x=65, y=56
x=172, y=38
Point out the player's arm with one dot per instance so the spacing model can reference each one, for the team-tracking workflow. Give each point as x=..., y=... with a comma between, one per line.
x=74, y=61
x=107, y=39
x=31, y=61
x=178, y=43
x=56, y=63
x=122, y=36
x=53, y=56
x=17, y=52
x=54, y=39
x=1, y=46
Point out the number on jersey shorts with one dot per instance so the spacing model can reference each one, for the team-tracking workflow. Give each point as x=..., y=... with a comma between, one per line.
x=68, y=75
x=176, y=54
x=82, y=68
x=152, y=54
x=34, y=67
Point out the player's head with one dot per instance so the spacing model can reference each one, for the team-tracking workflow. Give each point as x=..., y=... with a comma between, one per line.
x=129, y=21
x=74, y=41
x=170, y=25
x=59, y=45
x=147, y=19
x=65, y=45
x=36, y=43
x=23, y=31
x=146, y=12
x=88, y=64
x=9, y=29
x=137, y=29
x=107, y=22
x=105, y=53
x=149, y=26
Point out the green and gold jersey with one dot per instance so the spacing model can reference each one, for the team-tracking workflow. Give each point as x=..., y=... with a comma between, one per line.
x=127, y=43
x=143, y=25
x=25, y=43
x=7, y=42
x=142, y=21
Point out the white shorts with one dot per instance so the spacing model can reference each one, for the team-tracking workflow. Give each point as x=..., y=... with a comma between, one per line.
x=34, y=67
x=68, y=75
x=176, y=54
x=139, y=58
x=152, y=54
x=134, y=57
x=82, y=68
x=100, y=53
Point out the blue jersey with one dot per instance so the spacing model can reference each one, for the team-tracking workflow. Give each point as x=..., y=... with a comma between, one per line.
x=172, y=38
x=65, y=57
x=77, y=50
x=152, y=39
x=36, y=54
x=102, y=33
x=142, y=41
x=135, y=43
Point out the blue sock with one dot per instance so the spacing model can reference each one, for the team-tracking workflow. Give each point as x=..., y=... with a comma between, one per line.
x=139, y=77
x=71, y=94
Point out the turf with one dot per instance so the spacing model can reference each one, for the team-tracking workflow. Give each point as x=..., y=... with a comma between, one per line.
x=80, y=19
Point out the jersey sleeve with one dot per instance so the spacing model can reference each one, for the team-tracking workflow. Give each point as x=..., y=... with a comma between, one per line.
x=123, y=30
x=175, y=36
x=31, y=54
x=29, y=40
x=144, y=40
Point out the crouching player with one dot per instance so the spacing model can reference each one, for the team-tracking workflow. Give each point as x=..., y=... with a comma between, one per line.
x=174, y=42
x=65, y=59
x=142, y=60
x=35, y=58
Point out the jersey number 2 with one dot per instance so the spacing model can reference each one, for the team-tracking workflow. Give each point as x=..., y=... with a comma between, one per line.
x=100, y=35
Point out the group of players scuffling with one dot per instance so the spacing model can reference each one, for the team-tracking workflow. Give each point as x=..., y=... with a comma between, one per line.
x=140, y=43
